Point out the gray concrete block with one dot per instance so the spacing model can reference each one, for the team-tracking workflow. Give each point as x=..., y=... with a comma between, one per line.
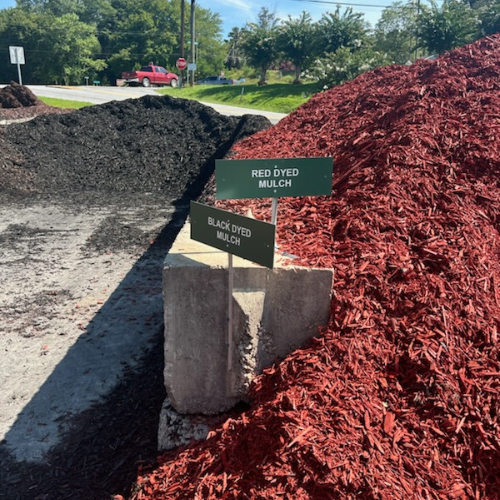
x=176, y=429
x=275, y=312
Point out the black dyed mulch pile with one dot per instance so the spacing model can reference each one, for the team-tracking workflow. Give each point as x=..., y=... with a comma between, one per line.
x=149, y=152
x=153, y=146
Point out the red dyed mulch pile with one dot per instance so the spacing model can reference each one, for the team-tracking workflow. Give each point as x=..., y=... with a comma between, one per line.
x=399, y=397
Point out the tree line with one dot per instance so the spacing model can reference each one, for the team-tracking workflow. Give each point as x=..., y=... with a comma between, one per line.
x=69, y=41
x=342, y=44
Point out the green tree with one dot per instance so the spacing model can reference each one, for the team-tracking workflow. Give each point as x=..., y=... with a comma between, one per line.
x=348, y=49
x=235, y=58
x=345, y=64
x=260, y=42
x=141, y=32
x=57, y=7
x=130, y=34
x=210, y=49
x=57, y=48
x=296, y=40
x=15, y=29
x=74, y=45
x=396, y=32
x=446, y=27
x=97, y=11
x=336, y=30
x=88, y=11
x=488, y=13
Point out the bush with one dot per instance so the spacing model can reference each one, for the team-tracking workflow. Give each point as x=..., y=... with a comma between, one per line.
x=345, y=64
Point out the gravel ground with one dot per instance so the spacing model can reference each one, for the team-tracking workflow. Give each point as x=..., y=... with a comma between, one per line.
x=90, y=203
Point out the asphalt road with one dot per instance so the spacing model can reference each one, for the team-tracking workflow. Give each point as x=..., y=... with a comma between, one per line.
x=101, y=95
x=90, y=93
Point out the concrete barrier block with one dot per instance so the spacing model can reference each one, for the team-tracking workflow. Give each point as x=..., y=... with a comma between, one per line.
x=275, y=312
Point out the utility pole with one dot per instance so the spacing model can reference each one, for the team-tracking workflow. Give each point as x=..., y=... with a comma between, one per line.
x=192, y=40
x=183, y=22
x=416, y=31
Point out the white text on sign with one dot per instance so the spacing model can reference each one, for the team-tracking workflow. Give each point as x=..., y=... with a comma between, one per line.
x=270, y=178
x=228, y=232
x=275, y=172
x=275, y=183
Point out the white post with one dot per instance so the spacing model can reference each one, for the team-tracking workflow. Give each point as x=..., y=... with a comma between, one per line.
x=274, y=216
x=274, y=213
x=230, y=312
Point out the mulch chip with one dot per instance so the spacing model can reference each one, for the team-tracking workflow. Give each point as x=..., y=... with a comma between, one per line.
x=15, y=95
x=153, y=154
x=156, y=146
x=398, y=398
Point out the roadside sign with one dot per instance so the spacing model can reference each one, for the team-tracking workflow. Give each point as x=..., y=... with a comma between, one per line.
x=181, y=63
x=235, y=234
x=192, y=67
x=17, y=55
x=268, y=178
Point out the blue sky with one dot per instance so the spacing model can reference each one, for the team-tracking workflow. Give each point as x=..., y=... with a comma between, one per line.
x=235, y=13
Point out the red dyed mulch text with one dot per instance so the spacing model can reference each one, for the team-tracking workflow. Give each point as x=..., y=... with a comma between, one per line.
x=399, y=397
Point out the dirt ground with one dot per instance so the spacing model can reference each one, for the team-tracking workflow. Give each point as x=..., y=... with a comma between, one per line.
x=90, y=203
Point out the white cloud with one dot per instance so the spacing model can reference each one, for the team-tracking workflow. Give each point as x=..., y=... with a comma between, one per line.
x=239, y=5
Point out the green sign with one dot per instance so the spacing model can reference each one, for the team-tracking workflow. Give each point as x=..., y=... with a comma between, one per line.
x=268, y=178
x=248, y=238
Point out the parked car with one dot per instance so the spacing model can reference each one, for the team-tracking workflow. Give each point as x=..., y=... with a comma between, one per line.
x=150, y=75
x=216, y=80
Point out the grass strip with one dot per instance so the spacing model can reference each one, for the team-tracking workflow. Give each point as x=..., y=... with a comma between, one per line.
x=63, y=103
x=277, y=97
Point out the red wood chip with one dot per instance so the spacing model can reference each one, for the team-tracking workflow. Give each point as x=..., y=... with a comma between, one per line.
x=399, y=397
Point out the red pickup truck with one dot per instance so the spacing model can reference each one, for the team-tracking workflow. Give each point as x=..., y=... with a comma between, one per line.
x=150, y=75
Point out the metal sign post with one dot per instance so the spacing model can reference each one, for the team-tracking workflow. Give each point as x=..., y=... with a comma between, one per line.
x=230, y=320
x=235, y=234
x=274, y=216
x=274, y=211
x=17, y=57
x=19, y=74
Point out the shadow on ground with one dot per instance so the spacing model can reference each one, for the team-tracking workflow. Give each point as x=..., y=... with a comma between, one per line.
x=101, y=448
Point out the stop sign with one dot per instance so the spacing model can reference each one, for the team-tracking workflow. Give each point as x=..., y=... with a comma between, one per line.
x=181, y=63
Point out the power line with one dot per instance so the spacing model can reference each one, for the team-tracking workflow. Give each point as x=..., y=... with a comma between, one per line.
x=345, y=3
x=36, y=51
